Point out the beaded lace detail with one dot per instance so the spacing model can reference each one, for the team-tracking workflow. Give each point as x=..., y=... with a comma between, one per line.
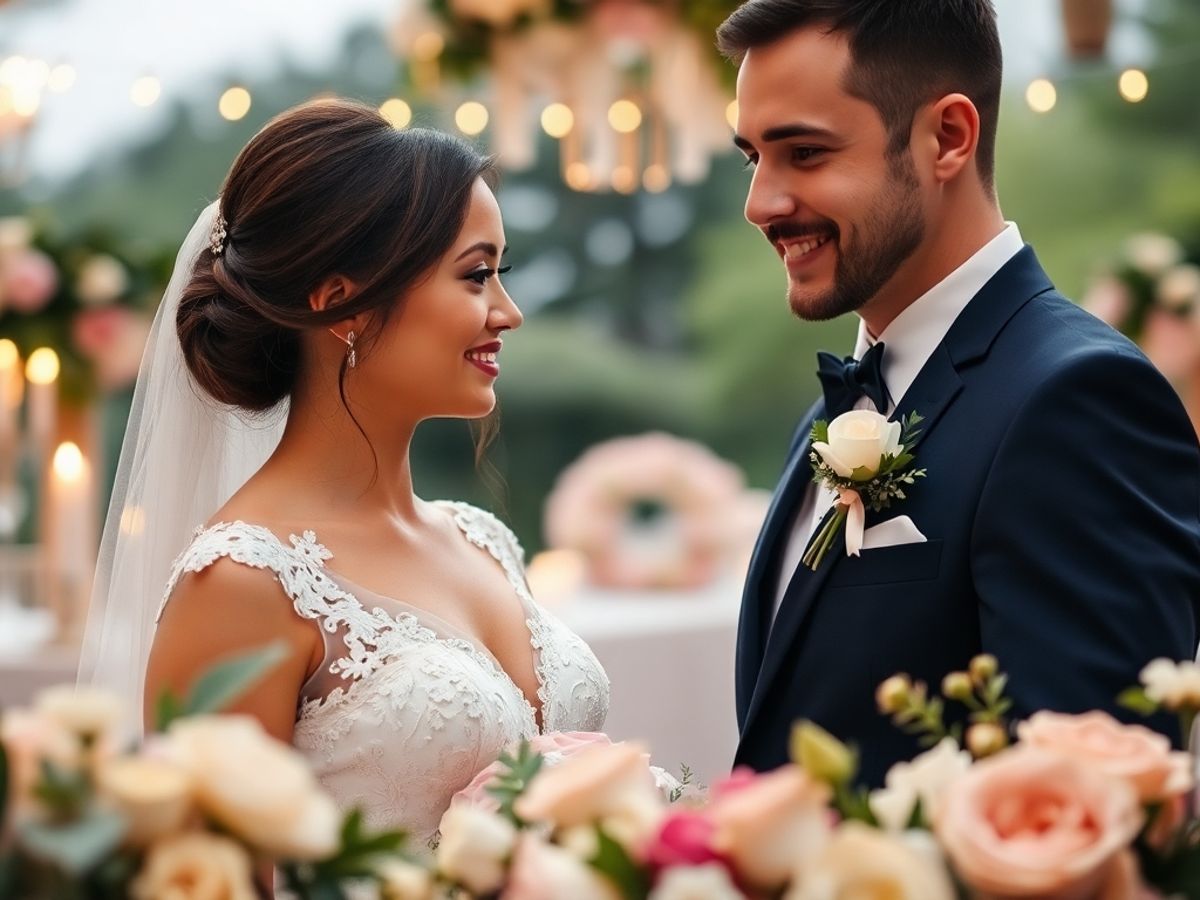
x=401, y=716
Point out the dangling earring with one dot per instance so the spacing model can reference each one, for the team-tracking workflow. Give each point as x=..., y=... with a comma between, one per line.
x=351, y=354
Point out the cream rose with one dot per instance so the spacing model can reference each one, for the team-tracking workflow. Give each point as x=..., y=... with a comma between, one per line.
x=607, y=785
x=863, y=862
x=29, y=738
x=925, y=779
x=1029, y=822
x=475, y=848
x=1132, y=752
x=154, y=795
x=195, y=866
x=767, y=827
x=88, y=712
x=1173, y=684
x=402, y=880
x=707, y=882
x=541, y=871
x=102, y=279
x=257, y=787
x=859, y=439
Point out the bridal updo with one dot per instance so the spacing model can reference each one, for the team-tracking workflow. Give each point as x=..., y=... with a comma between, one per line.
x=327, y=188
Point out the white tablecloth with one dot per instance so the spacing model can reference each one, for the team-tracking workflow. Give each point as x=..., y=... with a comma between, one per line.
x=669, y=655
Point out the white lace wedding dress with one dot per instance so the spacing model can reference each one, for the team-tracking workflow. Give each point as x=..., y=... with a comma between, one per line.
x=404, y=711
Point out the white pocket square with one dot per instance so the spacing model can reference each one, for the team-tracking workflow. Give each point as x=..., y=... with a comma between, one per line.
x=892, y=533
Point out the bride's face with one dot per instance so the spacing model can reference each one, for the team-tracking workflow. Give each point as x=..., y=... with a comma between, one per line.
x=439, y=354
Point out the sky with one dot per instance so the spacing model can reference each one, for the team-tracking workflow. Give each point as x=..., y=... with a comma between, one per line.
x=193, y=46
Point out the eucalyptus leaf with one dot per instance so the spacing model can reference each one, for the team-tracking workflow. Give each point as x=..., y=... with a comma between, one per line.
x=613, y=861
x=224, y=683
x=1135, y=698
x=75, y=847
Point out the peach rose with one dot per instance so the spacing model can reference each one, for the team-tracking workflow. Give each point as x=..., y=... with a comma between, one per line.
x=1031, y=823
x=1131, y=752
x=195, y=866
x=607, y=785
x=767, y=827
x=555, y=746
x=541, y=871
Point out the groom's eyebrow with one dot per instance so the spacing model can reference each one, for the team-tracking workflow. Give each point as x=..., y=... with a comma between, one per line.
x=486, y=246
x=785, y=132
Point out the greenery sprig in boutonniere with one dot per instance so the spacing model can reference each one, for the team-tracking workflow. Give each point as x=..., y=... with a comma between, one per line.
x=864, y=459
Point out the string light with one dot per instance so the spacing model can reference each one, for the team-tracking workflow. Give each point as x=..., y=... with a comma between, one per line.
x=656, y=178
x=558, y=120
x=234, y=104
x=42, y=367
x=397, y=112
x=1133, y=85
x=145, y=91
x=1041, y=95
x=68, y=462
x=471, y=118
x=578, y=176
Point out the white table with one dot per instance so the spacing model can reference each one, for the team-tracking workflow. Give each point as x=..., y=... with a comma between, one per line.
x=669, y=656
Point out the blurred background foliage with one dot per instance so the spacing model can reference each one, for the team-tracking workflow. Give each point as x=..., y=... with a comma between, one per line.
x=668, y=311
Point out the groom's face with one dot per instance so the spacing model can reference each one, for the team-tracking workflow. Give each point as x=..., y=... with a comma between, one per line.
x=843, y=213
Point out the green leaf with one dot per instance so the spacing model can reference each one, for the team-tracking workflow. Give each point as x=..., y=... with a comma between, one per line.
x=515, y=775
x=613, y=861
x=862, y=473
x=75, y=847
x=166, y=710
x=1135, y=698
x=64, y=791
x=224, y=683
x=820, y=431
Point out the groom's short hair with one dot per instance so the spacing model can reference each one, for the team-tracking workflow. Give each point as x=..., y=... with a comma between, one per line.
x=905, y=53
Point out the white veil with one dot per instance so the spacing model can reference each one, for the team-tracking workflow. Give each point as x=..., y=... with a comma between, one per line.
x=183, y=456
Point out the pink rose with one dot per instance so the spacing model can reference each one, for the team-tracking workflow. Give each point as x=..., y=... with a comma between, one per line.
x=684, y=839
x=555, y=746
x=113, y=339
x=1131, y=752
x=1031, y=823
x=739, y=778
x=28, y=281
x=769, y=827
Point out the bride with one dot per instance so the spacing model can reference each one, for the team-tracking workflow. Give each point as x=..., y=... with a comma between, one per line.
x=343, y=289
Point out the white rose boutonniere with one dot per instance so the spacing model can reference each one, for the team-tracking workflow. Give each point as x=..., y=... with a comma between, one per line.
x=864, y=459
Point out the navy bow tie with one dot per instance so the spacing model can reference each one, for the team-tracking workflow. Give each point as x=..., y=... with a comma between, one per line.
x=845, y=381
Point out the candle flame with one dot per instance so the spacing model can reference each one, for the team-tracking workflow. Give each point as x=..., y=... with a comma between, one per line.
x=68, y=462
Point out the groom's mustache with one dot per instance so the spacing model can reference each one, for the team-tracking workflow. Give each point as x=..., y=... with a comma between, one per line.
x=780, y=231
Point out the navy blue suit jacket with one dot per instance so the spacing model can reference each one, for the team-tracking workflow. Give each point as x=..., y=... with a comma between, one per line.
x=1062, y=511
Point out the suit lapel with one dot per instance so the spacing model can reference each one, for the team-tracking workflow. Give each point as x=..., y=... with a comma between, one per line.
x=935, y=387
x=757, y=596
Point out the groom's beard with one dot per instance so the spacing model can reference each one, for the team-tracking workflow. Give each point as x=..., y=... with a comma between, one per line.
x=894, y=228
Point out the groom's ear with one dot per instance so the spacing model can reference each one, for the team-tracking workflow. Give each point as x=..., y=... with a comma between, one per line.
x=952, y=128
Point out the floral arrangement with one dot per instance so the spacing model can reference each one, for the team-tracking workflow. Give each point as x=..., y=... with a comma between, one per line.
x=195, y=812
x=86, y=297
x=858, y=455
x=648, y=511
x=1061, y=807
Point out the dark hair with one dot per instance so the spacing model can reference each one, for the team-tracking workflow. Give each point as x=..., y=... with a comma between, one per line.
x=905, y=53
x=327, y=188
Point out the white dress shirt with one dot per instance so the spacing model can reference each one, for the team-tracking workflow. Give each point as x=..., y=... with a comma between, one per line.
x=910, y=340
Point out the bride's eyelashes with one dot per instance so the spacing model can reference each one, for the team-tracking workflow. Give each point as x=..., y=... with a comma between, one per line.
x=480, y=276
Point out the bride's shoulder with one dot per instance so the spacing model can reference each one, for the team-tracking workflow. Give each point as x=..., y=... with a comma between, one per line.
x=483, y=528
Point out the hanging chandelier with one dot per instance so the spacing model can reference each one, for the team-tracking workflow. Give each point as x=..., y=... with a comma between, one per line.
x=632, y=91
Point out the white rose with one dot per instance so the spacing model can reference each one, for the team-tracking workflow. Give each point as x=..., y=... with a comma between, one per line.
x=102, y=279
x=863, y=862
x=405, y=881
x=926, y=779
x=257, y=787
x=1172, y=684
x=30, y=738
x=707, y=882
x=87, y=712
x=474, y=848
x=542, y=871
x=1153, y=254
x=195, y=866
x=859, y=439
x=153, y=795
x=1180, y=287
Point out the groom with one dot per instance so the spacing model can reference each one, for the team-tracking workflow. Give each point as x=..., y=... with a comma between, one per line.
x=1058, y=526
